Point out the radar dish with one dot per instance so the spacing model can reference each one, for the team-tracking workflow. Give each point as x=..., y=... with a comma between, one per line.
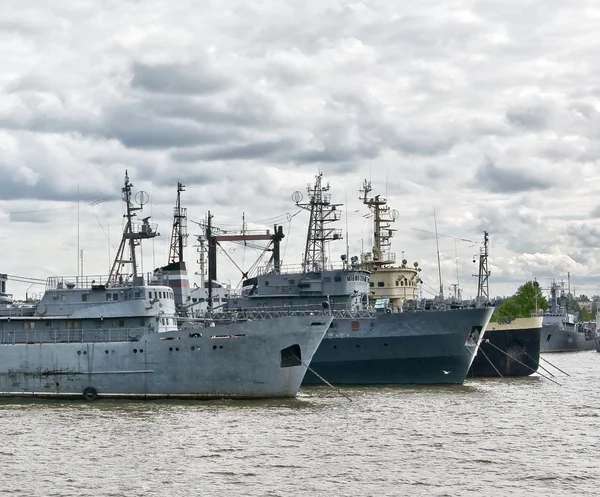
x=297, y=197
x=394, y=214
x=142, y=197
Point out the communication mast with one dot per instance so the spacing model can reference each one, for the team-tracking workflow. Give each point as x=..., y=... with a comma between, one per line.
x=133, y=234
x=383, y=216
x=179, y=234
x=322, y=212
x=483, y=286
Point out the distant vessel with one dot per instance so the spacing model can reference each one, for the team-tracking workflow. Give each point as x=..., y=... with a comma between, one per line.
x=120, y=337
x=509, y=348
x=561, y=330
x=381, y=333
x=597, y=334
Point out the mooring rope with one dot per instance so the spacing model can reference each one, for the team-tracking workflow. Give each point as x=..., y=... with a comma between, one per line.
x=338, y=390
x=523, y=364
x=540, y=366
x=485, y=355
x=564, y=372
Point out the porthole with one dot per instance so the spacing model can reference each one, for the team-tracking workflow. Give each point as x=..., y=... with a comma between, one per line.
x=176, y=349
x=135, y=351
x=170, y=349
x=141, y=351
x=214, y=347
x=193, y=348
x=106, y=351
x=79, y=352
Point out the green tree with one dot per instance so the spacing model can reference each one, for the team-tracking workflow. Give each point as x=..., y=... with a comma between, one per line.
x=522, y=304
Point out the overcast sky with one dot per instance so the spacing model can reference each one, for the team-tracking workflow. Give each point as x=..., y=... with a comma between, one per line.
x=489, y=110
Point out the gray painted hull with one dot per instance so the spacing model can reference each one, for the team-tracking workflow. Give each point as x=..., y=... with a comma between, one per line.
x=241, y=360
x=555, y=339
x=427, y=348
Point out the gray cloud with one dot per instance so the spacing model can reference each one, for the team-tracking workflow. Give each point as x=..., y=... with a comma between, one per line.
x=193, y=79
x=500, y=179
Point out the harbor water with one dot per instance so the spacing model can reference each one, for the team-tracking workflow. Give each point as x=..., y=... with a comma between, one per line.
x=524, y=436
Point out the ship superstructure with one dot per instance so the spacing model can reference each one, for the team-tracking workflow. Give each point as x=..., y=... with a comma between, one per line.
x=390, y=285
x=121, y=336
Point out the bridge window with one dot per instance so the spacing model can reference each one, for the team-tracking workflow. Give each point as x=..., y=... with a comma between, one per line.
x=380, y=283
x=28, y=325
x=337, y=278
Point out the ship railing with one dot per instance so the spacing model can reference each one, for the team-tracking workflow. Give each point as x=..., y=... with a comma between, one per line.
x=71, y=336
x=328, y=304
x=17, y=310
x=299, y=269
x=386, y=256
x=62, y=282
x=261, y=314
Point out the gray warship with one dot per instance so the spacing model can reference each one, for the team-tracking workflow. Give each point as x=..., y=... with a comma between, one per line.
x=120, y=336
x=382, y=333
x=561, y=330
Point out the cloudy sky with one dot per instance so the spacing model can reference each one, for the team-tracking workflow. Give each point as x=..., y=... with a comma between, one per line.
x=489, y=110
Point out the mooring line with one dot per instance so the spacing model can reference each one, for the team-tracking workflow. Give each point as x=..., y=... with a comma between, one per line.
x=485, y=355
x=564, y=372
x=540, y=366
x=523, y=364
x=338, y=390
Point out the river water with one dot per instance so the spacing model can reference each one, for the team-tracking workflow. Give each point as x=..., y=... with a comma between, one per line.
x=489, y=437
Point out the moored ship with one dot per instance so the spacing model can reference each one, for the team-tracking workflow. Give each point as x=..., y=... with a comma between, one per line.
x=121, y=337
x=510, y=348
x=393, y=338
x=562, y=331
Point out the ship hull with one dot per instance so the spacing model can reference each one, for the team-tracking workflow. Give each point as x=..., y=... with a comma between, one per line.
x=509, y=350
x=420, y=348
x=243, y=360
x=556, y=339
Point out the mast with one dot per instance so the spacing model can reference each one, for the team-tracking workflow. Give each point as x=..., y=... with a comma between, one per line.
x=483, y=287
x=322, y=212
x=133, y=234
x=215, y=235
x=437, y=244
x=179, y=233
x=383, y=216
